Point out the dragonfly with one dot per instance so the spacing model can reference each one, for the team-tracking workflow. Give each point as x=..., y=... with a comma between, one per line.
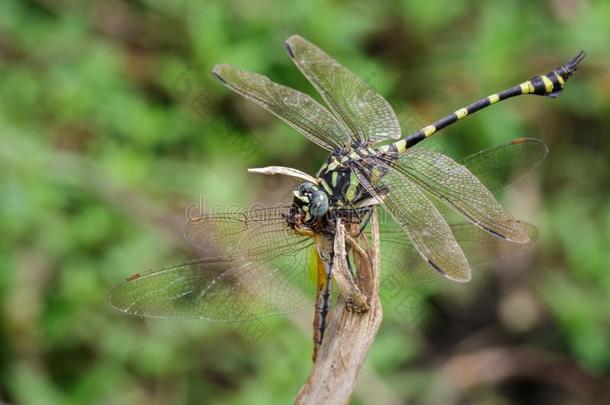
x=279, y=259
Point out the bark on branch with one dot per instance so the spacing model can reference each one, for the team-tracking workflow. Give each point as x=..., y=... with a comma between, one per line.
x=350, y=333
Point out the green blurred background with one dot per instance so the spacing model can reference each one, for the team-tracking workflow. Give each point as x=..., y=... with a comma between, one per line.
x=110, y=124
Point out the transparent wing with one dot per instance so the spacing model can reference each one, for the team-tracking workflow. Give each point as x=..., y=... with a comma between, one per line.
x=457, y=187
x=366, y=114
x=254, y=266
x=245, y=235
x=497, y=167
x=297, y=109
x=403, y=267
x=418, y=217
x=502, y=165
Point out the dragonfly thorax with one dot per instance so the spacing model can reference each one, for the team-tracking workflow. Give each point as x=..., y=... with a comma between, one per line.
x=338, y=178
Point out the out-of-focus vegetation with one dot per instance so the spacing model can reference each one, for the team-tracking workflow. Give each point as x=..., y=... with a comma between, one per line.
x=110, y=124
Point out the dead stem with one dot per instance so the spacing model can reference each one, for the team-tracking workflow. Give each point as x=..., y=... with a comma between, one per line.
x=350, y=333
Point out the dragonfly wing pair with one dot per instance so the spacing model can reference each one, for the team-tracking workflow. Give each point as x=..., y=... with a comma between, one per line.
x=297, y=109
x=496, y=167
x=502, y=165
x=254, y=266
x=456, y=185
x=363, y=112
x=419, y=219
x=360, y=113
x=403, y=267
x=401, y=191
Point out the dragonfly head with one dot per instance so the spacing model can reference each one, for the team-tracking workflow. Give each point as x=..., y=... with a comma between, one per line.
x=311, y=200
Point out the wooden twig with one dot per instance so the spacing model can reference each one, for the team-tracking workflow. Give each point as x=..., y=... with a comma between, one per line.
x=349, y=334
x=355, y=300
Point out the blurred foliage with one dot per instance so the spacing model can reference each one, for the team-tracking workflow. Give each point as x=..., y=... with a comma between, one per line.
x=110, y=123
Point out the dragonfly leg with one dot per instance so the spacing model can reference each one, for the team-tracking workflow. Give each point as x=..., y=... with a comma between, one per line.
x=367, y=217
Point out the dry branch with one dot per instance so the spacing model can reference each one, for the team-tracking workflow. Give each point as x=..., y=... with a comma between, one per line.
x=354, y=298
x=350, y=333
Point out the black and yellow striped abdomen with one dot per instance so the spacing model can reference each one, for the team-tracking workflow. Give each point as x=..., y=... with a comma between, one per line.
x=550, y=85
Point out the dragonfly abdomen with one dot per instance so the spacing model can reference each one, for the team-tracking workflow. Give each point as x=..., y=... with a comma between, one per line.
x=550, y=85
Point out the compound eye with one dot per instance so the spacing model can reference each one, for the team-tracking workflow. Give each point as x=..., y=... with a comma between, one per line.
x=318, y=204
